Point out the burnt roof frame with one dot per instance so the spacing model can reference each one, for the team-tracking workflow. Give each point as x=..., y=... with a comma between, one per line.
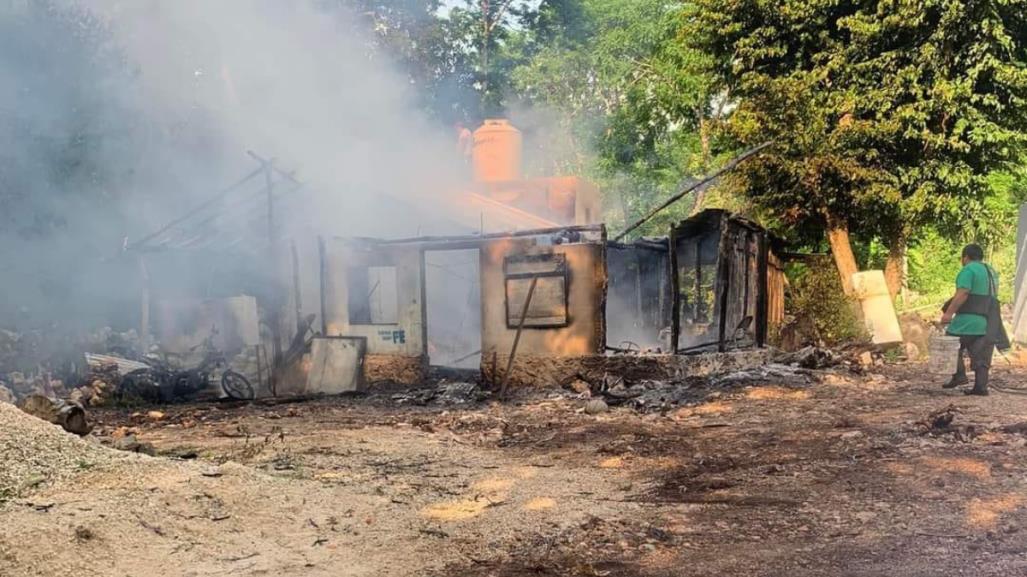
x=197, y=229
x=721, y=221
x=472, y=241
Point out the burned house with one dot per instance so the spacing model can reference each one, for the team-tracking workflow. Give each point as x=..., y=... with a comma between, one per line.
x=223, y=277
x=545, y=299
x=413, y=314
x=550, y=305
x=714, y=284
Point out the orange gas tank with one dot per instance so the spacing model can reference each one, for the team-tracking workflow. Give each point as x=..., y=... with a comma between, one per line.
x=498, y=147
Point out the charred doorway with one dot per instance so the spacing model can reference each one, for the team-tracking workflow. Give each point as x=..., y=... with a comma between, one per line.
x=453, y=302
x=639, y=303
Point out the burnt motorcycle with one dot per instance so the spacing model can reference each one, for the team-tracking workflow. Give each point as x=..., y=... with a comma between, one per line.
x=160, y=383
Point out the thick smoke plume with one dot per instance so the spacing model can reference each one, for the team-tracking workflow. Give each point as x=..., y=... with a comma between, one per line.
x=118, y=115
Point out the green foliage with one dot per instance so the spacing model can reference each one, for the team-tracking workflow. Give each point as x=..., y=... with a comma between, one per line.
x=605, y=52
x=434, y=52
x=933, y=263
x=889, y=115
x=815, y=295
x=933, y=259
x=632, y=95
x=1003, y=261
x=493, y=45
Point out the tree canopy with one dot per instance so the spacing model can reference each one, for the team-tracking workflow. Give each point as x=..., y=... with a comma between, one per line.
x=887, y=116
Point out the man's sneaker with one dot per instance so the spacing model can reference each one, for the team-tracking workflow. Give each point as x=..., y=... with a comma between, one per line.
x=956, y=381
x=977, y=392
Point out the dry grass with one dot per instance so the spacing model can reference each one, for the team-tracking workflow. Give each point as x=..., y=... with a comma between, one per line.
x=776, y=394
x=985, y=513
x=974, y=468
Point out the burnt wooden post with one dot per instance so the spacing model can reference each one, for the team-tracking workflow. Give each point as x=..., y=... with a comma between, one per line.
x=750, y=256
x=723, y=284
x=298, y=300
x=274, y=310
x=517, y=337
x=269, y=187
x=604, y=286
x=324, y=284
x=675, y=287
x=762, y=288
x=700, y=304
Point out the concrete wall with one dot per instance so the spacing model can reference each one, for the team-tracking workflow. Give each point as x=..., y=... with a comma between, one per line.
x=404, y=340
x=586, y=293
x=182, y=325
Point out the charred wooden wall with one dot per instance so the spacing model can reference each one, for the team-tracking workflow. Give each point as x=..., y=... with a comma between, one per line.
x=639, y=304
x=728, y=284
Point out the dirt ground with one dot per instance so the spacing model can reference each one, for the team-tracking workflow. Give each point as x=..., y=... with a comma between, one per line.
x=855, y=475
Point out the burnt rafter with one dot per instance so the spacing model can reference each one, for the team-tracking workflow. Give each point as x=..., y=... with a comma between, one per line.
x=238, y=214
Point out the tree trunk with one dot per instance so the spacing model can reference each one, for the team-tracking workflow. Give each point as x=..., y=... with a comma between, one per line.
x=704, y=140
x=841, y=249
x=895, y=267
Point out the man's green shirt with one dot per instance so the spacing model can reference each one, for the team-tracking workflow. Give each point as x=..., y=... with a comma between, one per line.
x=974, y=278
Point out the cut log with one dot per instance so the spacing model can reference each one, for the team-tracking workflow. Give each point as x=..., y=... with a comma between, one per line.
x=69, y=416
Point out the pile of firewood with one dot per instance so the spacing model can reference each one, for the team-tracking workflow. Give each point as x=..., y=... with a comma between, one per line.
x=98, y=387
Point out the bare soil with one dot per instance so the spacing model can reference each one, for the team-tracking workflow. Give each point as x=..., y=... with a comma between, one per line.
x=856, y=475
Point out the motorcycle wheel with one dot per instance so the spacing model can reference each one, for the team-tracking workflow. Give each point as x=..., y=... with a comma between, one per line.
x=236, y=386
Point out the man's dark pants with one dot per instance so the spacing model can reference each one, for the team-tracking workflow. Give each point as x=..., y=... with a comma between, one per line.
x=980, y=348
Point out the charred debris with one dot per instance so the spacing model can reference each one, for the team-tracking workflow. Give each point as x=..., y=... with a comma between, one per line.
x=232, y=307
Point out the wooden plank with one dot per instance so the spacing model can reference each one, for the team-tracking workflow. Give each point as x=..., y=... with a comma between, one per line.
x=675, y=287
x=548, y=306
x=723, y=285
x=763, y=288
x=535, y=264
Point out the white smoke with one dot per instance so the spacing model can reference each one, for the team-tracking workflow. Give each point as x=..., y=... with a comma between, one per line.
x=294, y=82
x=171, y=95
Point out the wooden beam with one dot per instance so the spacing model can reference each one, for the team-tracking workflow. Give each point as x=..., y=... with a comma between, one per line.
x=725, y=252
x=731, y=165
x=517, y=338
x=763, y=287
x=217, y=198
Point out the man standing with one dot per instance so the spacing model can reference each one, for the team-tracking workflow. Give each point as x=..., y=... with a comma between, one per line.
x=967, y=315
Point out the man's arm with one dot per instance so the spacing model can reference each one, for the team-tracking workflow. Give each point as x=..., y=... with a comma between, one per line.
x=957, y=301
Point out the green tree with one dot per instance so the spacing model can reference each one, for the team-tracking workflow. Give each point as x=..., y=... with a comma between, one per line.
x=888, y=115
x=634, y=99
x=492, y=38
